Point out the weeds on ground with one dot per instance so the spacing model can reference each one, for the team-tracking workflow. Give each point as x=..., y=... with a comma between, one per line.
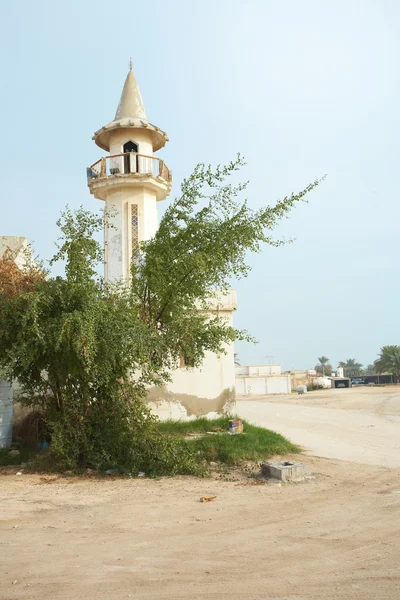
x=216, y=445
x=188, y=456
x=7, y=459
x=199, y=425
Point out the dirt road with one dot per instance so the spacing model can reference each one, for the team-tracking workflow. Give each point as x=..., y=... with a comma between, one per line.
x=361, y=425
x=335, y=537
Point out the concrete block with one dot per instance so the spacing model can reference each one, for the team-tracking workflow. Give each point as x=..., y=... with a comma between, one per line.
x=285, y=470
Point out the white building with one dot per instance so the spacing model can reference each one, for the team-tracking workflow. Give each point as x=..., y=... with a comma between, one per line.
x=19, y=248
x=131, y=180
x=260, y=380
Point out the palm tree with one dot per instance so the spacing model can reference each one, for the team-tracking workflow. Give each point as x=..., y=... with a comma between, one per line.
x=323, y=364
x=370, y=370
x=388, y=361
x=236, y=359
x=352, y=368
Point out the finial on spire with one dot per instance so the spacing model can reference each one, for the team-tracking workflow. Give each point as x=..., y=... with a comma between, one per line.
x=130, y=64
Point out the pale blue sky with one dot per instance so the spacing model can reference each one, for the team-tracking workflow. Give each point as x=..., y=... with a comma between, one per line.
x=299, y=88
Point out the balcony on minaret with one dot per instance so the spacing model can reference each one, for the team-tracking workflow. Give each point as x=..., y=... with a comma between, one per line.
x=129, y=163
x=126, y=168
x=130, y=168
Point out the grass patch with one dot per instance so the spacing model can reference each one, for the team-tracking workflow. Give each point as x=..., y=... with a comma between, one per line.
x=6, y=459
x=254, y=444
x=199, y=425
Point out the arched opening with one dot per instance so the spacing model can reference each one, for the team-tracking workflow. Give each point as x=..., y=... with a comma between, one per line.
x=131, y=163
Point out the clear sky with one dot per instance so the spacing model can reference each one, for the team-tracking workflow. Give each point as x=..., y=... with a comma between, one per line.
x=300, y=88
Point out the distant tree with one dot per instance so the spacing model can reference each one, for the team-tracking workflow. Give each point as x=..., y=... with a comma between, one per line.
x=388, y=361
x=326, y=370
x=236, y=359
x=352, y=368
x=370, y=370
x=14, y=280
x=323, y=365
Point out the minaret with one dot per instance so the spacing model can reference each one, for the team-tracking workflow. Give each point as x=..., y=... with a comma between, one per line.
x=130, y=179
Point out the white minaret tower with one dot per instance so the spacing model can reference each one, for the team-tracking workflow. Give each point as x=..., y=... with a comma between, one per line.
x=130, y=180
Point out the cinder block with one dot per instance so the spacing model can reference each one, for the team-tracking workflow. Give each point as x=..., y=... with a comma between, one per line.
x=285, y=470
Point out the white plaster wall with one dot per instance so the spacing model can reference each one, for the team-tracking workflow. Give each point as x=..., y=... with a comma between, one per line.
x=240, y=385
x=19, y=246
x=167, y=410
x=210, y=380
x=6, y=414
x=118, y=248
x=240, y=370
x=269, y=370
x=115, y=267
x=141, y=137
x=264, y=369
x=148, y=215
x=207, y=390
x=253, y=370
x=256, y=386
x=278, y=384
x=262, y=385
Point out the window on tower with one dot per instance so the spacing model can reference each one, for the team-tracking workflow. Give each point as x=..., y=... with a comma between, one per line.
x=131, y=163
x=134, y=230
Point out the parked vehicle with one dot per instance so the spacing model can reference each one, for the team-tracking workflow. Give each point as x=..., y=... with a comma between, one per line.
x=357, y=381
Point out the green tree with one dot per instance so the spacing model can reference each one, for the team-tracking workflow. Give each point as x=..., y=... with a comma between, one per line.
x=388, y=361
x=84, y=351
x=323, y=366
x=370, y=370
x=351, y=368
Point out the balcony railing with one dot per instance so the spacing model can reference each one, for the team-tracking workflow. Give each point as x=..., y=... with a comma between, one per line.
x=128, y=163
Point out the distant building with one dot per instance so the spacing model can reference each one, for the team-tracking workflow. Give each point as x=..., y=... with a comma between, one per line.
x=261, y=380
x=19, y=247
x=301, y=377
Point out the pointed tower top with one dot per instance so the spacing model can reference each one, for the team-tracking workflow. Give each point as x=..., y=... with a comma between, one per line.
x=131, y=104
x=130, y=115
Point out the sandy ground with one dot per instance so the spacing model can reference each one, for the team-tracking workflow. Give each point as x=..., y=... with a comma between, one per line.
x=333, y=537
x=360, y=425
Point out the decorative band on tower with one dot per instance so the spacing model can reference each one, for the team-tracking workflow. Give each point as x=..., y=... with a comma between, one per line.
x=134, y=230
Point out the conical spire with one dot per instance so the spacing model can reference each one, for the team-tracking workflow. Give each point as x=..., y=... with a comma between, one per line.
x=130, y=115
x=131, y=104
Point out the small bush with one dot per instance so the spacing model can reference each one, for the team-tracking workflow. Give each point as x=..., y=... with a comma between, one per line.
x=120, y=433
